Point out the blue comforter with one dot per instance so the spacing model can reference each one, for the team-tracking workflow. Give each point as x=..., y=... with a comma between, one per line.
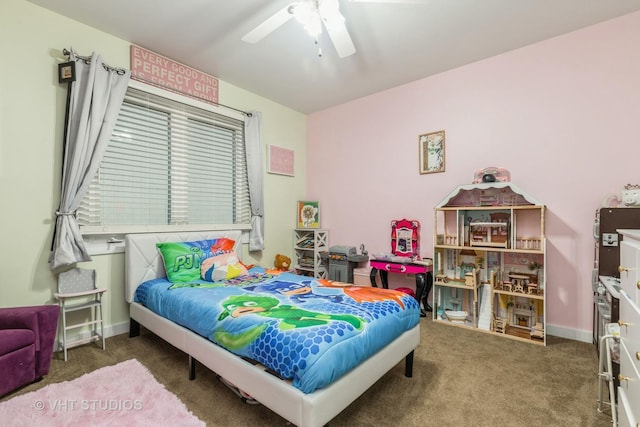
x=304, y=329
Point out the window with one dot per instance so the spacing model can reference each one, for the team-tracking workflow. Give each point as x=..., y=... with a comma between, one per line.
x=169, y=166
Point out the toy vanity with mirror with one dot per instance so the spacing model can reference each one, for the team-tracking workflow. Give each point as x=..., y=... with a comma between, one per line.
x=405, y=240
x=405, y=243
x=405, y=259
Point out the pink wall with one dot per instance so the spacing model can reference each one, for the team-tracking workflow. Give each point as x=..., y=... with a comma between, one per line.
x=562, y=115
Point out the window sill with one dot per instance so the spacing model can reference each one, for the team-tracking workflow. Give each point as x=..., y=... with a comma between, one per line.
x=104, y=245
x=109, y=244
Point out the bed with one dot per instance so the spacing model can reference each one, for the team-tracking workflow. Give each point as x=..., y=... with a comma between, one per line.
x=144, y=264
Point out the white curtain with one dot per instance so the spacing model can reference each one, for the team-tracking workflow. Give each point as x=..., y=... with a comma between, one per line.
x=94, y=103
x=255, y=161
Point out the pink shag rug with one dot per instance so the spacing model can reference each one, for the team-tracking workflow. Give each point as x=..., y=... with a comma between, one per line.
x=125, y=394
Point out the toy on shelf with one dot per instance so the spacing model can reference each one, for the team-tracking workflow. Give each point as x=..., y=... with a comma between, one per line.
x=457, y=316
x=537, y=331
x=499, y=324
x=492, y=233
x=472, y=278
x=491, y=174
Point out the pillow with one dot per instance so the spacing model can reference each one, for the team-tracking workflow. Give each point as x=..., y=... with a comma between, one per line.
x=222, y=267
x=182, y=260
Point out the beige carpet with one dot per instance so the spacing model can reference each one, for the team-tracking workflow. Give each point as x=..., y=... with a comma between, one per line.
x=461, y=378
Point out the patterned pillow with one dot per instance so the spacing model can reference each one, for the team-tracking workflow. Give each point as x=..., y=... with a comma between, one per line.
x=222, y=267
x=182, y=260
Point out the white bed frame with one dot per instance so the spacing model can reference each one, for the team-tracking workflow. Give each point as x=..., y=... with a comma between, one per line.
x=143, y=262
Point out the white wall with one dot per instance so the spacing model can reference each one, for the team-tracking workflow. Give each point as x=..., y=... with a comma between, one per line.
x=31, y=122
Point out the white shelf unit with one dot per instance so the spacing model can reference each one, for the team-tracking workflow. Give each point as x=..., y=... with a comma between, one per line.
x=308, y=244
x=489, y=255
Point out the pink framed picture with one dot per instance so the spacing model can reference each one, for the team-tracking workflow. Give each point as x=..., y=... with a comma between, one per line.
x=280, y=160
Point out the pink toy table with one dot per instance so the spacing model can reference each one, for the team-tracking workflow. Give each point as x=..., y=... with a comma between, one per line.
x=423, y=273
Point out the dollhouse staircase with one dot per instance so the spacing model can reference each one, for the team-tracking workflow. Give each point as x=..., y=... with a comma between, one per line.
x=484, y=312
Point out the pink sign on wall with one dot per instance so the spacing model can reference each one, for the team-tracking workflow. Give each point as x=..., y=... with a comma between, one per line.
x=158, y=70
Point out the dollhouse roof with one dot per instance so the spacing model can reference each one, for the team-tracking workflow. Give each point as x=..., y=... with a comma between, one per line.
x=488, y=194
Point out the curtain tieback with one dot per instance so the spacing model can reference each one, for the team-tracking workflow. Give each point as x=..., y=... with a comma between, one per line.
x=64, y=213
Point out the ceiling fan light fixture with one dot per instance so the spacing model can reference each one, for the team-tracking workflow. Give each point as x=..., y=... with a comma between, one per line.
x=312, y=15
x=307, y=12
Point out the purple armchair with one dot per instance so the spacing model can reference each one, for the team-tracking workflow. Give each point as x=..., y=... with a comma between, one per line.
x=27, y=337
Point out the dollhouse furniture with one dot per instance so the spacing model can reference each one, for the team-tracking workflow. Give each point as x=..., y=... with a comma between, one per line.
x=79, y=285
x=491, y=227
x=27, y=336
x=405, y=250
x=537, y=331
x=499, y=325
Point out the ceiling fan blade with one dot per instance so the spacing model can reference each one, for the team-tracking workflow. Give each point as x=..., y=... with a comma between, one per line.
x=341, y=39
x=268, y=26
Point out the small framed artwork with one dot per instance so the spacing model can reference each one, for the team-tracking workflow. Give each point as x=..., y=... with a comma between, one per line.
x=66, y=72
x=308, y=214
x=279, y=160
x=431, y=146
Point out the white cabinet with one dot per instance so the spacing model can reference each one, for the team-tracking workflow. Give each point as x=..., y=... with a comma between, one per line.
x=489, y=254
x=630, y=263
x=308, y=245
x=629, y=389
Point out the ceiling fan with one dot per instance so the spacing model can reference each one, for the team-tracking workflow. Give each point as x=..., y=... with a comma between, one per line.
x=313, y=15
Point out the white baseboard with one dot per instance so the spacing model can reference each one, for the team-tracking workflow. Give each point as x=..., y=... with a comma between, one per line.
x=109, y=331
x=557, y=331
x=117, y=329
x=571, y=334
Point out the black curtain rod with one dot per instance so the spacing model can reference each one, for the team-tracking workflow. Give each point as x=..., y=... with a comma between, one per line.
x=86, y=59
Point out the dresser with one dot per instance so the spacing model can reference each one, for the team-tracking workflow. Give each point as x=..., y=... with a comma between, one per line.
x=629, y=389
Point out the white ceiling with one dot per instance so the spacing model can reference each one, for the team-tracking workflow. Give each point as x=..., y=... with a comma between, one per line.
x=395, y=43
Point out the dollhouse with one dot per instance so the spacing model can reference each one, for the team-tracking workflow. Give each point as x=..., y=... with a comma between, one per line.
x=489, y=253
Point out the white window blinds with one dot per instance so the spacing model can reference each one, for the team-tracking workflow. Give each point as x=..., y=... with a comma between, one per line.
x=169, y=164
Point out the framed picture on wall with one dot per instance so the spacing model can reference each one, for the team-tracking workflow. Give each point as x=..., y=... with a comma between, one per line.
x=67, y=72
x=280, y=160
x=431, y=146
x=308, y=214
